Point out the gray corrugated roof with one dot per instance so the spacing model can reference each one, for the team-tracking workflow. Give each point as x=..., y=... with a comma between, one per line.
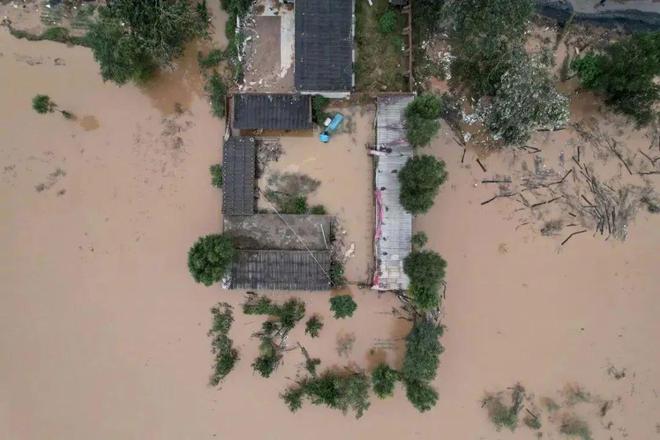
x=324, y=45
x=394, y=223
x=281, y=270
x=272, y=111
x=238, y=168
x=273, y=231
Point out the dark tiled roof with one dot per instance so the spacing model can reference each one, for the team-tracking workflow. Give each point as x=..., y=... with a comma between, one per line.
x=238, y=168
x=324, y=45
x=281, y=270
x=272, y=112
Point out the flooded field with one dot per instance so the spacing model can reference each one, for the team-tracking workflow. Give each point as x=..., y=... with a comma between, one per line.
x=103, y=333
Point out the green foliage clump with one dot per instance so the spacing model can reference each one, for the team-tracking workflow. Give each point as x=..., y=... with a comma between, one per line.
x=420, y=179
x=483, y=35
x=43, y=104
x=525, y=100
x=502, y=414
x=419, y=240
x=313, y=326
x=211, y=59
x=625, y=73
x=288, y=314
x=422, y=116
x=387, y=22
x=421, y=394
x=318, y=210
x=384, y=378
x=216, y=175
x=217, y=91
x=210, y=258
x=222, y=347
x=269, y=357
x=337, y=278
x=342, y=306
x=573, y=426
x=319, y=104
x=423, y=349
x=426, y=270
x=338, y=390
x=132, y=39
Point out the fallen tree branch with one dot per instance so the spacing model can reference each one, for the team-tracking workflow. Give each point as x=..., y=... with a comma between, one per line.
x=571, y=236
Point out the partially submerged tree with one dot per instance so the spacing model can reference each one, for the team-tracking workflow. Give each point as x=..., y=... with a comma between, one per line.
x=426, y=270
x=384, y=378
x=525, y=100
x=43, y=104
x=313, y=326
x=420, y=179
x=210, y=258
x=626, y=74
x=133, y=38
x=342, y=306
x=216, y=175
x=346, y=390
x=422, y=116
x=421, y=394
x=483, y=34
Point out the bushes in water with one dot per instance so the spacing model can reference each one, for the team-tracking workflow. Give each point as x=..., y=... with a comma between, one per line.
x=222, y=347
x=384, y=378
x=313, y=326
x=342, y=306
x=426, y=270
x=217, y=91
x=211, y=59
x=501, y=414
x=216, y=175
x=43, y=104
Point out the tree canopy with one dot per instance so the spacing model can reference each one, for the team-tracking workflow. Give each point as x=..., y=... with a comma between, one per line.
x=384, y=378
x=342, y=306
x=422, y=395
x=420, y=179
x=426, y=270
x=423, y=349
x=625, y=74
x=483, y=35
x=210, y=258
x=43, y=104
x=133, y=38
x=222, y=347
x=422, y=116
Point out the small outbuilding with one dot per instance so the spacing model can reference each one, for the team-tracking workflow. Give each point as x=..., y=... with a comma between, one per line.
x=238, y=176
x=259, y=111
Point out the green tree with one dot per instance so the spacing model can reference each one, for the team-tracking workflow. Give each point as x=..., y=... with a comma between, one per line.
x=43, y=104
x=419, y=240
x=217, y=91
x=420, y=179
x=342, y=306
x=426, y=270
x=216, y=175
x=422, y=395
x=384, y=379
x=422, y=116
x=338, y=390
x=222, y=347
x=525, y=100
x=483, y=35
x=625, y=73
x=313, y=326
x=388, y=21
x=133, y=38
x=210, y=258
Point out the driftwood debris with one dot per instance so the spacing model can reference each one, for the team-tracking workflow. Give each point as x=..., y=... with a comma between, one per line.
x=571, y=236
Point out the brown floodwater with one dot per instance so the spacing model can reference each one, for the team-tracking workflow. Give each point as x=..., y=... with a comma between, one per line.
x=103, y=332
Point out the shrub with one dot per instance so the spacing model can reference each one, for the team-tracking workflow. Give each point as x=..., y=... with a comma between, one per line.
x=384, y=379
x=268, y=359
x=625, y=73
x=422, y=395
x=210, y=258
x=130, y=39
x=422, y=119
x=217, y=91
x=501, y=414
x=319, y=104
x=300, y=205
x=216, y=175
x=420, y=179
x=226, y=355
x=318, y=210
x=337, y=278
x=573, y=426
x=387, y=22
x=342, y=391
x=313, y=326
x=211, y=59
x=42, y=104
x=423, y=349
x=342, y=306
x=58, y=34
x=426, y=270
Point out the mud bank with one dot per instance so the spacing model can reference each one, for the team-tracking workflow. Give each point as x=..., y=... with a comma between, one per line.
x=637, y=17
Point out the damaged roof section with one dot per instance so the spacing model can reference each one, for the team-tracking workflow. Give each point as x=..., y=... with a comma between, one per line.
x=273, y=231
x=238, y=174
x=281, y=270
x=324, y=45
x=393, y=223
x=252, y=111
